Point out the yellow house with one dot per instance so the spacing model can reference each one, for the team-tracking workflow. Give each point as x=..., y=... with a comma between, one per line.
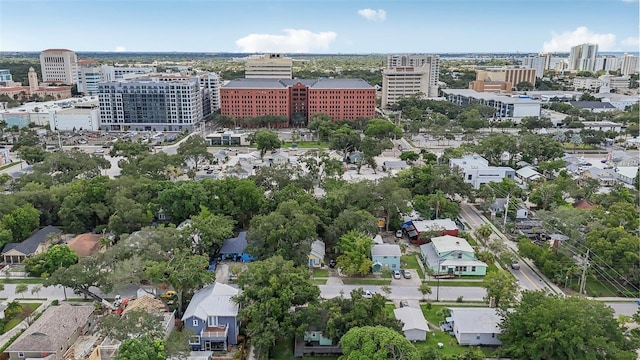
x=316, y=256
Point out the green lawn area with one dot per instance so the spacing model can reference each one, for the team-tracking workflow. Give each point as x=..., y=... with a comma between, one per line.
x=360, y=281
x=319, y=281
x=22, y=281
x=15, y=319
x=411, y=262
x=9, y=165
x=320, y=273
x=451, y=346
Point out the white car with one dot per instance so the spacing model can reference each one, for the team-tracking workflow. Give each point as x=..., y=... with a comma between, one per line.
x=397, y=275
x=367, y=294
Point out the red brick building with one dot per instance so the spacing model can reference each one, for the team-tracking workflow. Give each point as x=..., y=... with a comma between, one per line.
x=298, y=99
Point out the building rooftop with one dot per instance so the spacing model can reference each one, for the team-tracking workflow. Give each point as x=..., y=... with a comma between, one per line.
x=53, y=329
x=437, y=224
x=476, y=320
x=213, y=300
x=285, y=83
x=52, y=50
x=489, y=96
x=412, y=318
x=30, y=245
x=448, y=243
x=386, y=250
x=592, y=104
x=236, y=245
x=85, y=244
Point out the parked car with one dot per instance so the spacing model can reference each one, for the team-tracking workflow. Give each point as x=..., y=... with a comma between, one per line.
x=515, y=264
x=406, y=274
x=168, y=295
x=367, y=294
x=396, y=275
x=399, y=234
x=404, y=303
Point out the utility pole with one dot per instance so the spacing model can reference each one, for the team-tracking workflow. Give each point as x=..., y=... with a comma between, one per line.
x=583, y=278
x=506, y=210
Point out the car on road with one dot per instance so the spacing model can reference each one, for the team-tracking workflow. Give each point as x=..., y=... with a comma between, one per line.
x=396, y=275
x=404, y=303
x=405, y=274
x=515, y=264
x=367, y=294
x=99, y=151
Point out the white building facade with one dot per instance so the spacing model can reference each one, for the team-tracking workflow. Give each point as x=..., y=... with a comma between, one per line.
x=59, y=66
x=88, y=79
x=476, y=170
x=268, y=66
x=507, y=107
x=80, y=118
x=628, y=64
x=583, y=57
x=408, y=75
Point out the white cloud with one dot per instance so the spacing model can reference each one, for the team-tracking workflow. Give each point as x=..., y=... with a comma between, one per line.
x=294, y=41
x=563, y=42
x=120, y=49
x=373, y=15
x=632, y=42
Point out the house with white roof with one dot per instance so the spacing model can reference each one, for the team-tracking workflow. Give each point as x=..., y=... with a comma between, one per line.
x=451, y=255
x=415, y=327
x=627, y=174
x=476, y=170
x=213, y=315
x=528, y=174
x=475, y=326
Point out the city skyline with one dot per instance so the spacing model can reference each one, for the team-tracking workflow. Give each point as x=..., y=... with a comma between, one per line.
x=322, y=27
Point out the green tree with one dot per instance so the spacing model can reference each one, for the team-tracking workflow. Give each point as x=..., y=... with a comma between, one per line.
x=570, y=327
x=524, y=86
x=21, y=222
x=128, y=216
x=436, y=206
x=194, y=149
x=424, y=289
x=21, y=289
x=355, y=252
x=209, y=232
x=376, y=343
x=266, y=140
x=502, y=287
x=32, y=154
x=183, y=271
x=409, y=156
x=144, y=348
x=128, y=149
x=135, y=323
x=382, y=129
x=44, y=264
x=270, y=289
x=483, y=233
x=345, y=140
x=350, y=219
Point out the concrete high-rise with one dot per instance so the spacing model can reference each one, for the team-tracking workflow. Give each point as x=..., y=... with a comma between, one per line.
x=59, y=66
x=408, y=75
x=628, y=64
x=512, y=75
x=583, y=57
x=607, y=63
x=268, y=66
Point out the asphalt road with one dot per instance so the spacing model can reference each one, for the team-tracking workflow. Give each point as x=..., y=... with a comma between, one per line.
x=527, y=278
x=444, y=293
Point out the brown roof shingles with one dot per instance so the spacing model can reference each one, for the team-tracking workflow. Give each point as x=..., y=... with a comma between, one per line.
x=85, y=244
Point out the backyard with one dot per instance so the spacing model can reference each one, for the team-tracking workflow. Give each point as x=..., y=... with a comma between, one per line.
x=15, y=315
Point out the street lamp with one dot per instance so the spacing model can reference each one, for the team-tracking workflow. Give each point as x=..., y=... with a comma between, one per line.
x=438, y=275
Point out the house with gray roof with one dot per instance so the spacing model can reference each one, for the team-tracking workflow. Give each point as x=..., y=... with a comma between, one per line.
x=386, y=255
x=414, y=325
x=15, y=253
x=53, y=333
x=475, y=326
x=213, y=315
x=236, y=248
x=593, y=106
x=451, y=255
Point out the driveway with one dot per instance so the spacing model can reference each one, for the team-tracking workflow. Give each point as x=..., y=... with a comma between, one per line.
x=414, y=281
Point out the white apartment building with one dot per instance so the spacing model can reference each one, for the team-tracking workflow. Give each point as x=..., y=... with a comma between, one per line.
x=607, y=63
x=268, y=66
x=408, y=75
x=115, y=73
x=209, y=86
x=150, y=104
x=507, y=107
x=59, y=65
x=536, y=62
x=88, y=79
x=585, y=83
x=476, y=170
x=628, y=64
x=583, y=57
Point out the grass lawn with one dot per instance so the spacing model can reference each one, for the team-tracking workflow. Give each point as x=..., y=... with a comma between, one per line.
x=9, y=165
x=451, y=346
x=319, y=281
x=411, y=262
x=20, y=315
x=320, y=273
x=358, y=281
x=22, y=281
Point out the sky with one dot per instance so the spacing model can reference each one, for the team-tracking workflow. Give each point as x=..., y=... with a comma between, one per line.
x=319, y=26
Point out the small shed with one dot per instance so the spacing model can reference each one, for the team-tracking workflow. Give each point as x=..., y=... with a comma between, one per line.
x=415, y=327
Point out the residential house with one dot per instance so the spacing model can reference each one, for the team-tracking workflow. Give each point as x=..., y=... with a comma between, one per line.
x=53, y=333
x=626, y=174
x=593, y=106
x=213, y=315
x=236, y=249
x=476, y=170
x=622, y=158
x=15, y=253
x=317, y=254
x=499, y=206
x=153, y=306
x=414, y=228
x=582, y=204
x=606, y=177
x=602, y=125
x=314, y=342
x=85, y=244
x=475, y=326
x=528, y=174
x=451, y=255
x=415, y=327
x=355, y=157
x=385, y=255
x=279, y=158
x=394, y=165
x=241, y=171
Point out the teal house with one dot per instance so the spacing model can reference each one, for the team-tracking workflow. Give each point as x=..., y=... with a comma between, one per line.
x=385, y=255
x=451, y=255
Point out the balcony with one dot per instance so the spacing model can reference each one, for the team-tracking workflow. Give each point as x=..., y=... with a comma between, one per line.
x=214, y=332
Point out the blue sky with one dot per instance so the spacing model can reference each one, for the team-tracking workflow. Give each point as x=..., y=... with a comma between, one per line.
x=318, y=26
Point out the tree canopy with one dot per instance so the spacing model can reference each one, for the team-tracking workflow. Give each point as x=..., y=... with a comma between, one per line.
x=376, y=343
